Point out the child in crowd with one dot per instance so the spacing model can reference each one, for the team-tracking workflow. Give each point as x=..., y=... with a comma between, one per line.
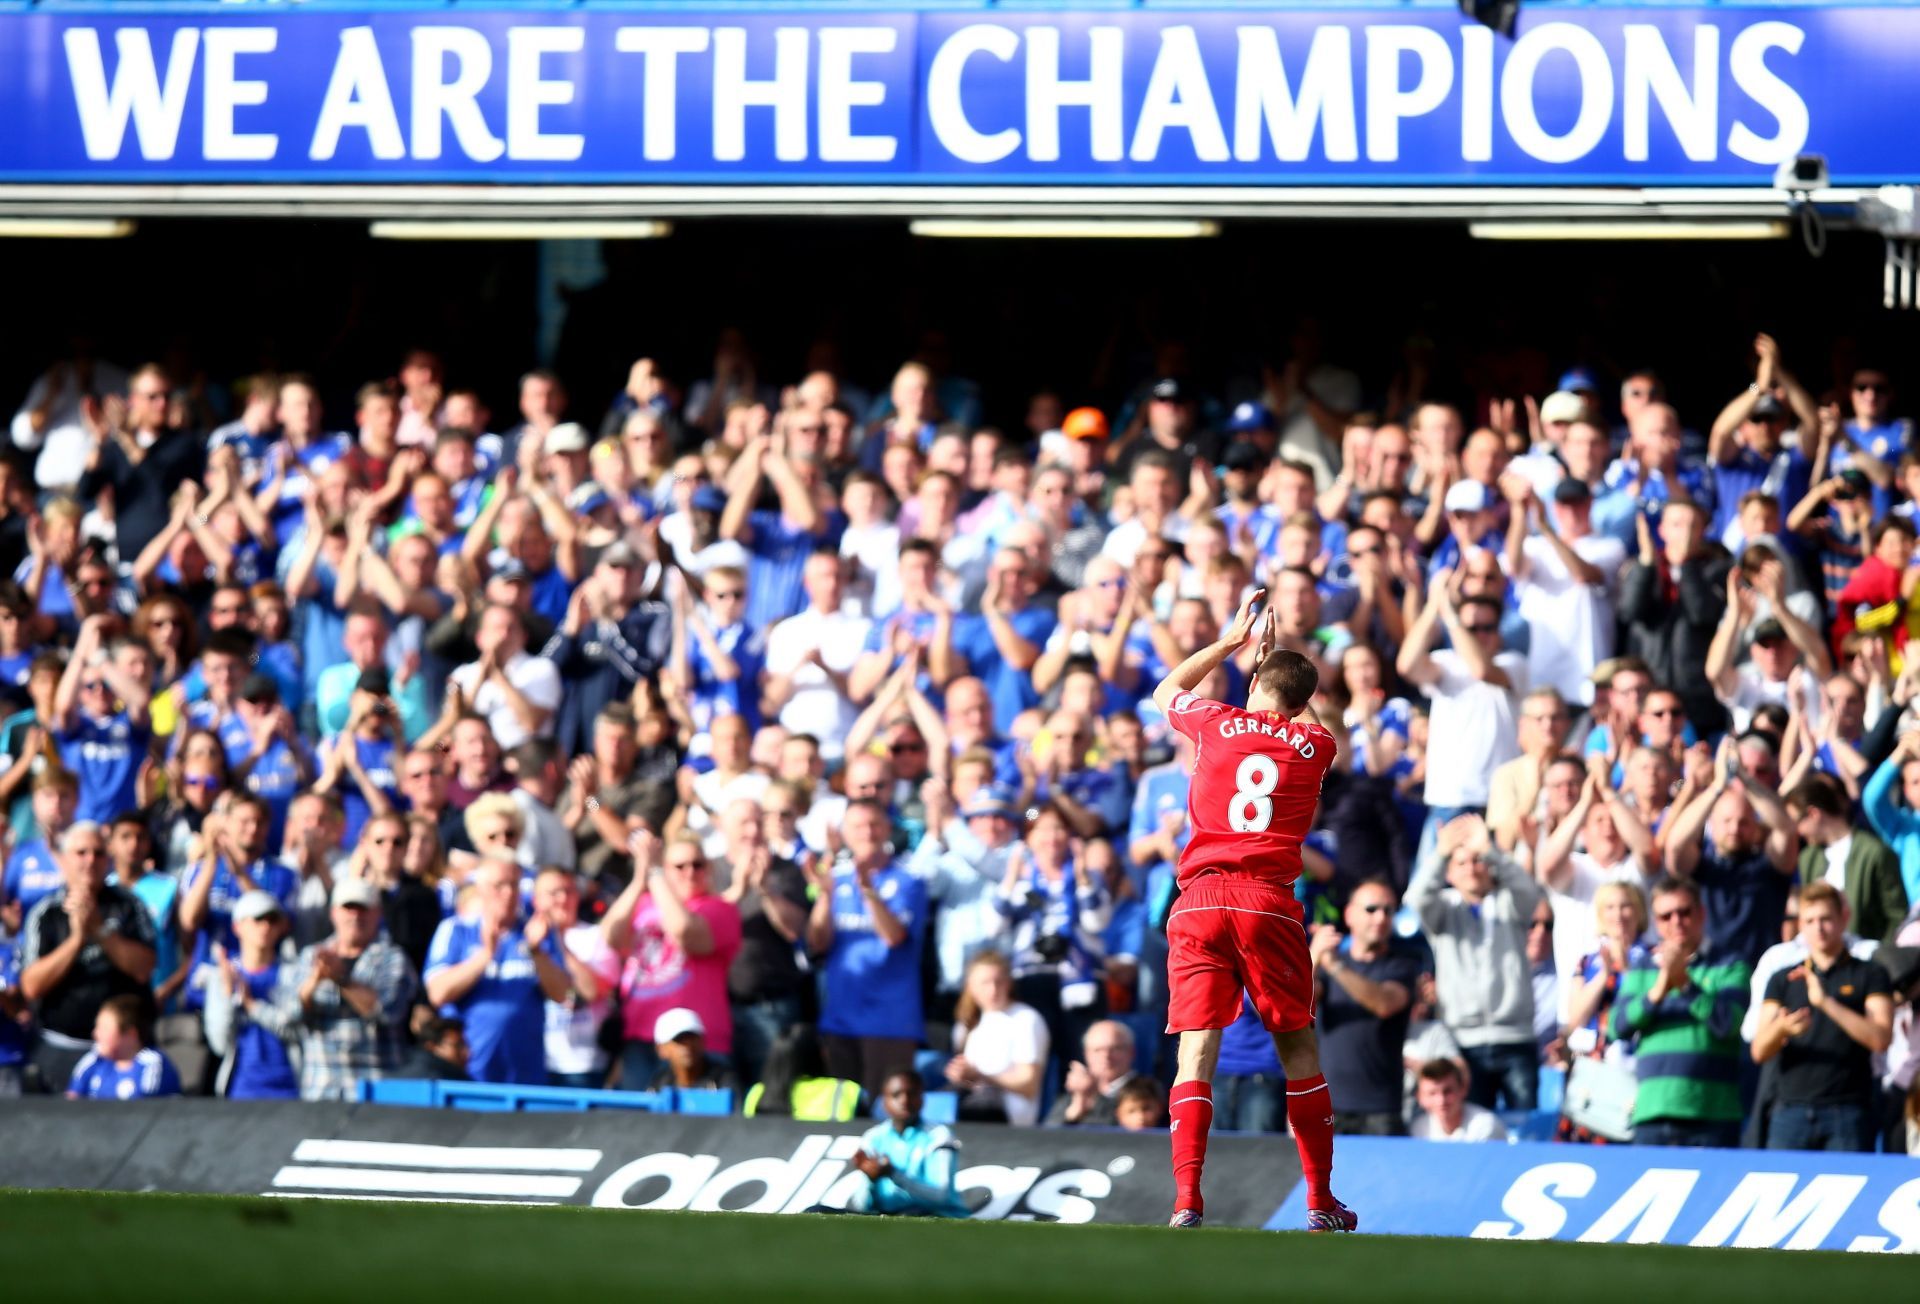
x=121, y=1065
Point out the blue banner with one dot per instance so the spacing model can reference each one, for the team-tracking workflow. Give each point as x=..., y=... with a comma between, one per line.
x=1628, y=1194
x=1590, y=96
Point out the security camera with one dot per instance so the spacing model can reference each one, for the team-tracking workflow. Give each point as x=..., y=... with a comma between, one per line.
x=1802, y=173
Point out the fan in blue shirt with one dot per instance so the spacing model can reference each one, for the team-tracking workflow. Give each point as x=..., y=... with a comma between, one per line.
x=119, y=1067
x=496, y=977
x=722, y=657
x=1002, y=643
x=870, y=924
x=215, y=883
x=13, y=1037
x=31, y=871
x=777, y=543
x=243, y=1021
x=103, y=743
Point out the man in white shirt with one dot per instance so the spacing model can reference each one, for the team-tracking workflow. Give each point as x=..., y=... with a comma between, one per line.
x=1618, y=849
x=574, y=1054
x=53, y=418
x=809, y=657
x=1445, y=1113
x=1155, y=482
x=1474, y=686
x=517, y=693
x=1563, y=574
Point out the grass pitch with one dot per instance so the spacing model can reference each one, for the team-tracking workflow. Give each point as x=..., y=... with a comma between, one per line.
x=100, y=1247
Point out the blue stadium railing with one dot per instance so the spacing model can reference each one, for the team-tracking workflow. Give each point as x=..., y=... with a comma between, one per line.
x=499, y=1098
x=504, y=1099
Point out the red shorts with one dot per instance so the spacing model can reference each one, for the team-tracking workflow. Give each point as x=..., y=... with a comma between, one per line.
x=1228, y=934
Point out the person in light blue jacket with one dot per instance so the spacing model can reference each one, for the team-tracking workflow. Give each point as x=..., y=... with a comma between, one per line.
x=1896, y=821
x=909, y=1166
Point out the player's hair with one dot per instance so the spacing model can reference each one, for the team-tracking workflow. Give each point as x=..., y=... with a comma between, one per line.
x=1823, y=894
x=1442, y=1070
x=1287, y=675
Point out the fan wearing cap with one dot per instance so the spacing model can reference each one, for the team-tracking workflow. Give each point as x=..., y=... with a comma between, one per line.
x=680, y=1040
x=1541, y=463
x=1776, y=642
x=348, y=997
x=692, y=530
x=609, y=641
x=1472, y=511
x=1563, y=575
x=1167, y=422
x=246, y=1027
x=1745, y=445
x=1252, y=525
x=230, y=861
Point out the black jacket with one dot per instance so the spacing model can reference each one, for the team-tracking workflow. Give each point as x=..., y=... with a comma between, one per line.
x=1670, y=624
x=141, y=493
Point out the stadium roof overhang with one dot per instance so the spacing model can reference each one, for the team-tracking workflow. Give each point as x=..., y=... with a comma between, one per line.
x=558, y=202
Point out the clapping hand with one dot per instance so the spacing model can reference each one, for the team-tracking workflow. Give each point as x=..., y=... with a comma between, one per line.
x=1243, y=621
x=873, y=1168
x=961, y=1073
x=1325, y=941
x=1816, y=990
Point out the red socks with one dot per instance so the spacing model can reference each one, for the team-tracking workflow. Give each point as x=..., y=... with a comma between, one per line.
x=1310, y=1115
x=1191, y=1110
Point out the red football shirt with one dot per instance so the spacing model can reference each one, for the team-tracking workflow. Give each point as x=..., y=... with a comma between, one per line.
x=1256, y=780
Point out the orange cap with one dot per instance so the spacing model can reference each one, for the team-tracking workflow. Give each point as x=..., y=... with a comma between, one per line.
x=1085, y=423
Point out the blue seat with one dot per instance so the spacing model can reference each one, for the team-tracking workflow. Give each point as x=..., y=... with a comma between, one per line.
x=1553, y=1089
x=499, y=1098
x=701, y=1103
x=1530, y=1124
x=417, y=1093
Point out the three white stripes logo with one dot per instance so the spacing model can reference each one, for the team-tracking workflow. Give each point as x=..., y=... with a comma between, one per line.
x=387, y=1170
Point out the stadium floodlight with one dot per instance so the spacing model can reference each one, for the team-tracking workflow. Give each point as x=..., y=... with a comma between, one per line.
x=521, y=229
x=67, y=228
x=1653, y=229
x=969, y=228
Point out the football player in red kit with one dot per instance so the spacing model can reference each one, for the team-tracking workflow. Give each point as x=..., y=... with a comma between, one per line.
x=1236, y=923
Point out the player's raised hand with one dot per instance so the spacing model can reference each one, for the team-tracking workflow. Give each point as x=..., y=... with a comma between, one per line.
x=1243, y=620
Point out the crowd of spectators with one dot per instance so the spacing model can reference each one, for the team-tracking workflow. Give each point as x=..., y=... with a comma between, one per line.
x=763, y=737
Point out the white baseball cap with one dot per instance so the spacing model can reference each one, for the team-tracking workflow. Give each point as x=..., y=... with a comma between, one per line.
x=675, y=1024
